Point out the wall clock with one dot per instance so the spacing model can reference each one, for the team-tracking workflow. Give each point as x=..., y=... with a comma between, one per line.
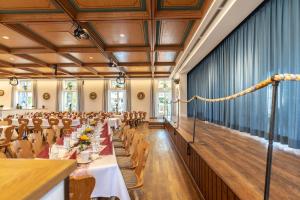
x=93, y=95
x=141, y=95
x=1, y=92
x=46, y=96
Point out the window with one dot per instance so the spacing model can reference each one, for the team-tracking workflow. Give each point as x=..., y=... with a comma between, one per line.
x=24, y=94
x=116, y=97
x=69, y=95
x=163, y=95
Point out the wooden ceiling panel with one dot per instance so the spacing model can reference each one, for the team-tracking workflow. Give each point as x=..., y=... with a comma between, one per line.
x=166, y=56
x=132, y=56
x=58, y=33
x=137, y=69
x=179, y=4
x=12, y=39
x=41, y=69
x=163, y=68
x=17, y=70
x=13, y=59
x=122, y=32
x=174, y=31
x=51, y=58
x=11, y=6
x=90, y=57
x=109, y=5
x=74, y=69
x=106, y=69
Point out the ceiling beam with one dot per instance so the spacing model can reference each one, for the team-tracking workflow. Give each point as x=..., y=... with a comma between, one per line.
x=73, y=49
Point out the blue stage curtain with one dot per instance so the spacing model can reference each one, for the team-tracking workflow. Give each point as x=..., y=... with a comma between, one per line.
x=266, y=43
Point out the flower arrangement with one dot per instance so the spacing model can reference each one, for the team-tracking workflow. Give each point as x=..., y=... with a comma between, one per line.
x=87, y=130
x=84, y=141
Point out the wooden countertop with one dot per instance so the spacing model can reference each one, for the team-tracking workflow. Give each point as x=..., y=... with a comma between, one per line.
x=240, y=161
x=31, y=179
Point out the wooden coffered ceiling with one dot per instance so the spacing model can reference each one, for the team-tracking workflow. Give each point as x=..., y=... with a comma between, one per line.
x=144, y=37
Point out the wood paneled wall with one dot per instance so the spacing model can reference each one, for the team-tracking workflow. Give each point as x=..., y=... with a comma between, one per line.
x=211, y=186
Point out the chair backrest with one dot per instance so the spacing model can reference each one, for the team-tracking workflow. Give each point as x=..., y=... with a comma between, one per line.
x=8, y=121
x=50, y=135
x=8, y=134
x=37, y=123
x=53, y=121
x=67, y=123
x=22, y=149
x=23, y=121
x=37, y=143
x=21, y=130
x=3, y=123
x=142, y=158
x=81, y=187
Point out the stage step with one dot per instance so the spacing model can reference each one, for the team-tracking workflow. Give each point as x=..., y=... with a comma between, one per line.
x=156, y=124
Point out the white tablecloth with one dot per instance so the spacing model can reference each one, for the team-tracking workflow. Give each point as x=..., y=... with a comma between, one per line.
x=45, y=123
x=114, y=122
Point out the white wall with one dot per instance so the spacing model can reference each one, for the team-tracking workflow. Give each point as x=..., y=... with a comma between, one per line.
x=48, y=86
x=93, y=86
x=141, y=85
x=6, y=99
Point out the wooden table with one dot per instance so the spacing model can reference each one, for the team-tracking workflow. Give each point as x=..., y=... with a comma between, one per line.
x=32, y=179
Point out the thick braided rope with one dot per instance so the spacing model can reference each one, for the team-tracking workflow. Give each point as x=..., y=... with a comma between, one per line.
x=258, y=86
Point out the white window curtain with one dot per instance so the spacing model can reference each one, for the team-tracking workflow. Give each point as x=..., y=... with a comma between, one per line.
x=59, y=95
x=152, y=98
x=13, y=97
x=105, y=95
x=80, y=93
x=34, y=94
x=128, y=95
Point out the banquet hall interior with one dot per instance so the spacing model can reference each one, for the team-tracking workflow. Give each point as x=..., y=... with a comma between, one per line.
x=150, y=99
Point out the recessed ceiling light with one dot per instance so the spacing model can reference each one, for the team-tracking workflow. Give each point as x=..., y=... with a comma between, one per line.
x=11, y=58
x=5, y=37
x=122, y=35
x=91, y=57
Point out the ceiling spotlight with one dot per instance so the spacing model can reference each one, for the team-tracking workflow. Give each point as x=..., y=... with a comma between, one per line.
x=13, y=81
x=112, y=64
x=11, y=58
x=91, y=57
x=80, y=33
x=122, y=35
x=5, y=37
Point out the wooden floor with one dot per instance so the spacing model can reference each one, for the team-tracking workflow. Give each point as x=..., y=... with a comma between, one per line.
x=165, y=175
x=240, y=162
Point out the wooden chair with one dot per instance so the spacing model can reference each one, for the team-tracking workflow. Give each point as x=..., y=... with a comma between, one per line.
x=4, y=144
x=53, y=122
x=37, y=143
x=134, y=178
x=3, y=123
x=2, y=155
x=81, y=187
x=23, y=121
x=67, y=125
x=8, y=121
x=50, y=135
x=22, y=149
x=37, y=125
x=22, y=130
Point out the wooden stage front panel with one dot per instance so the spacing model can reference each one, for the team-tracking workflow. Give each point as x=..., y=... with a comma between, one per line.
x=225, y=165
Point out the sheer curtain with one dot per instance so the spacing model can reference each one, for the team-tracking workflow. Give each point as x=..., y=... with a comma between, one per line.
x=105, y=95
x=13, y=97
x=34, y=94
x=59, y=95
x=266, y=43
x=128, y=95
x=80, y=94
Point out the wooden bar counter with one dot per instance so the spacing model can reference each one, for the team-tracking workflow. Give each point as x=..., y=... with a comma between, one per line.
x=32, y=179
x=227, y=165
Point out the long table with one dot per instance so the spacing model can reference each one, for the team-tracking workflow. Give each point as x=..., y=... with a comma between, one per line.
x=226, y=164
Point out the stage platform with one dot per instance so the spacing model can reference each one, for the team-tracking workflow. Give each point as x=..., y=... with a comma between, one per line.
x=226, y=164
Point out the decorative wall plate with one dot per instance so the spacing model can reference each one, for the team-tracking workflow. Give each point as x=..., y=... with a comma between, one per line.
x=93, y=95
x=46, y=96
x=140, y=95
x=1, y=92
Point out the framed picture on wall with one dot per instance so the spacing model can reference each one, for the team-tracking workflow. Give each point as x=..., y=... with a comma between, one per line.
x=46, y=96
x=1, y=92
x=93, y=95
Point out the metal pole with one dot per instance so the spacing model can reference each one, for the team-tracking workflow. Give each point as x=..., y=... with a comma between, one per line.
x=271, y=137
x=195, y=113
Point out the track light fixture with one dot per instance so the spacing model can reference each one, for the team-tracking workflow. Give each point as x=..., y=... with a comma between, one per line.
x=80, y=33
x=13, y=81
x=112, y=64
x=121, y=78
